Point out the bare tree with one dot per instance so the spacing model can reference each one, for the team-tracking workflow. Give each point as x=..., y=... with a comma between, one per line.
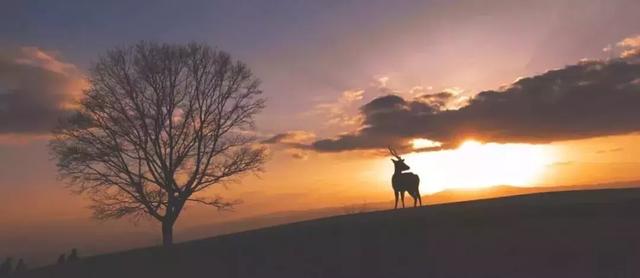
x=158, y=124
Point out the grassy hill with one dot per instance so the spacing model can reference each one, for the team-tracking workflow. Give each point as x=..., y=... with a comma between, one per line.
x=446, y=196
x=592, y=233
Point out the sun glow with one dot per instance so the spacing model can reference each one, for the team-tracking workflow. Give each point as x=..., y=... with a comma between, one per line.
x=475, y=165
x=421, y=143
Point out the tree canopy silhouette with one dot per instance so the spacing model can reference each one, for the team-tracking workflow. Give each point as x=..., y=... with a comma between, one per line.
x=158, y=124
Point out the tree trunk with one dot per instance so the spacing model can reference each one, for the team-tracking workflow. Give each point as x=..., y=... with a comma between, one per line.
x=170, y=217
x=167, y=232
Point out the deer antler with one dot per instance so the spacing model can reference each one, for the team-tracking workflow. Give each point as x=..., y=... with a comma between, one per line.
x=393, y=152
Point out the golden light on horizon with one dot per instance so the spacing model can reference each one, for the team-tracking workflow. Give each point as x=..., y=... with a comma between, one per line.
x=477, y=165
x=421, y=143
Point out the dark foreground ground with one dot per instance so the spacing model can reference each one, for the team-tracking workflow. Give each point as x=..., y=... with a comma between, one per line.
x=563, y=234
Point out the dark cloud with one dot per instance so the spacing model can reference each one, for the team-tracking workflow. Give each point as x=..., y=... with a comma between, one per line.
x=296, y=142
x=34, y=89
x=290, y=138
x=589, y=99
x=276, y=138
x=298, y=154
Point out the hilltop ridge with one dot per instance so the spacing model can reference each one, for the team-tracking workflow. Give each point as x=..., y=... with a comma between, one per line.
x=556, y=234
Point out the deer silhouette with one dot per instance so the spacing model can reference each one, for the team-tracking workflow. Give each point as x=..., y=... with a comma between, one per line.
x=402, y=182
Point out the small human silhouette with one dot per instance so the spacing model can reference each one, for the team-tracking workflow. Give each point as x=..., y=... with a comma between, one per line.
x=6, y=266
x=61, y=259
x=73, y=256
x=21, y=266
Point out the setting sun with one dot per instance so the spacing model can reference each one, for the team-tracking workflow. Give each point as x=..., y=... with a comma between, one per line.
x=475, y=165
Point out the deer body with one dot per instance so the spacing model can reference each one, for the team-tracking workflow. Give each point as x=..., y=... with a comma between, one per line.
x=404, y=182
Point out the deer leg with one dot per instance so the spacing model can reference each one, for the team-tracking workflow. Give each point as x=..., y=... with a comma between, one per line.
x=415, y=200
x=396, y=205
x=402, y=196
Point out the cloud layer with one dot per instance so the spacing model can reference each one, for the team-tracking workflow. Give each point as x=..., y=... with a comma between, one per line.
x=292, y=137
x=35, y=89
x=588, y=99
x=297, y=142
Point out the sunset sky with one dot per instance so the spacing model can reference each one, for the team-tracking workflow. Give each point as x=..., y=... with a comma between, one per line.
x=474, y=93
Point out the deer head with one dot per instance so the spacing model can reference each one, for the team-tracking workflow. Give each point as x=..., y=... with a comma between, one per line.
x=398, y=163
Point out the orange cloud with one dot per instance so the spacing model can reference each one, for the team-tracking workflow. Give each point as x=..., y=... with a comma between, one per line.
x=34, y=56
x=627, y=48
x=342, y=111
